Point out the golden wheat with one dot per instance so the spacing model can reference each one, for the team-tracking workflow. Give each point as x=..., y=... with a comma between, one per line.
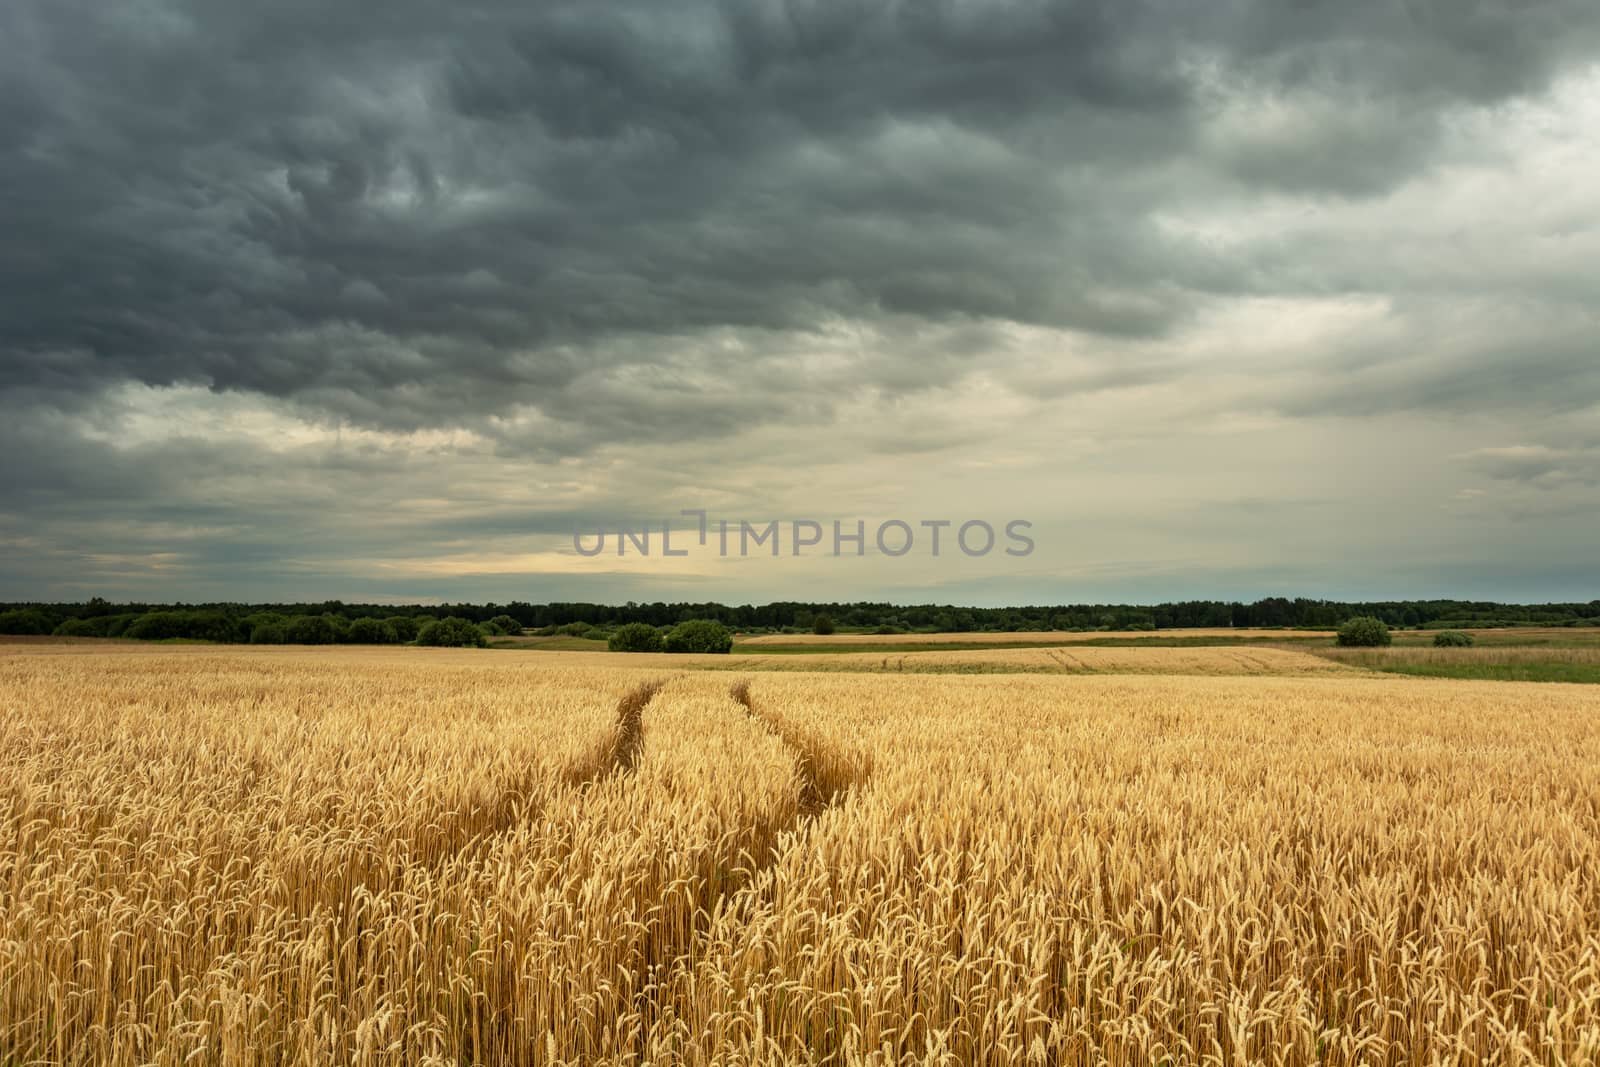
x=1483, y=655
x=281, y=856
x=1206, y=660
x=1065, y=660
x=1042, y=637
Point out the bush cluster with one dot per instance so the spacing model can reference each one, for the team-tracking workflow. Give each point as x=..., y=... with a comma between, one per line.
x=699, y=635
x=1364, y=632
x=1452, y=639
x=694, y=635
x=636, y=637
x=453, y=632
x=371, y=632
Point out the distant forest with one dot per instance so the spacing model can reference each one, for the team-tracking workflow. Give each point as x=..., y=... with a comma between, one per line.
x=237, y=622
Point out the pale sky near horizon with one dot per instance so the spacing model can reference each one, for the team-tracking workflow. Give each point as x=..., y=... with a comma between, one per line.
x=1227, y=300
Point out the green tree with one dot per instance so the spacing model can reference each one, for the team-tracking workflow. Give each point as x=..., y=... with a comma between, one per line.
x=117, y=625
x=1364, y=632
x=25, y=622
x=250, y=622
x=453, y=632
x=371, y=632
x=158, y=626
x=404, y=626
x=270, y=632
x=822, y=624
x=699, y=635
x=508, y=625
x=636, y=637
x=1452, y=639
x=309, y=630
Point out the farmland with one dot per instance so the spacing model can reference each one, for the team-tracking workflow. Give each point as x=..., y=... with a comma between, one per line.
x=770, y=644
x=1182, y=855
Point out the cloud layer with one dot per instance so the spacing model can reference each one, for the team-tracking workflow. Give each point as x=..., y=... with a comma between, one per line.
x=337, y=300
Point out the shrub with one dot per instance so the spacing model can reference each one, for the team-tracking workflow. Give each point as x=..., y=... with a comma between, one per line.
x=699, y=635
x=454, y=632
x=371, y=632
x=507, y=625
x=309, y=630
x=491, y=629
x=1364, y=632
x=404, y=626
x=1452, y=639
x=636, y=637
x=340, y=626
x=26, y=621
x=887, y=628
x=78, y=628
x=822, y=624
x=576, y=629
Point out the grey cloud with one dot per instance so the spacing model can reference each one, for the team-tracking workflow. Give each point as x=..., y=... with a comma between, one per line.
x=1317, y=142
x=800, y=235
x=1518, y=462
x=424, y=216
x=1532, y=370
x=1540, y=466
x=1422, y=49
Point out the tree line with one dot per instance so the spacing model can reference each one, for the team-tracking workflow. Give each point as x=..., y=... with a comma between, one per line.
x=339, y=622
x=235, y=624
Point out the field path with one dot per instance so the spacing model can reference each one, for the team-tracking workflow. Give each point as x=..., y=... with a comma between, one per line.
x=826, y=778
x=629, y=740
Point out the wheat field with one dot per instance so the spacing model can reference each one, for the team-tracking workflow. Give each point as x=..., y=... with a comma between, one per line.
x=1486, y=655
x=1215, y=660
x=1042, y=637
x=242, y=856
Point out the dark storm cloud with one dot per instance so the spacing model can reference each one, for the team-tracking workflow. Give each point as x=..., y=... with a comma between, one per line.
x=419, y=214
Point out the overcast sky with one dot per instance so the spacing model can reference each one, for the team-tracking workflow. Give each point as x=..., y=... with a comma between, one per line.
x=321, y=299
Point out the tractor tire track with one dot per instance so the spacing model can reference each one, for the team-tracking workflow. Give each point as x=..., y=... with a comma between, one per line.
x=454, y=836
x=673, y=931
x=1069, y=664
x=620, y=754
x=824, y=782
x=518, y=803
